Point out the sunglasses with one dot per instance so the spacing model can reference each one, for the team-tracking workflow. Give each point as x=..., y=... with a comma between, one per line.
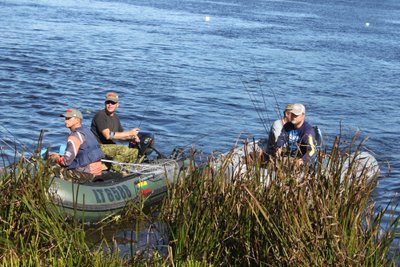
x=110, y=103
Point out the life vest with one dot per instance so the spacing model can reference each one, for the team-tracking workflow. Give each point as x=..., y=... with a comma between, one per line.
x=89, y=151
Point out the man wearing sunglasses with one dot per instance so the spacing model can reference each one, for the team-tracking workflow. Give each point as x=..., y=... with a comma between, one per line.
x=82, y=152
x=107, y=128
x=106, y=124
x=297, y=139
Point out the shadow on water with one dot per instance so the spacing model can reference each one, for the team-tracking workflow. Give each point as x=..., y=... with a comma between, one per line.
x=130, y=238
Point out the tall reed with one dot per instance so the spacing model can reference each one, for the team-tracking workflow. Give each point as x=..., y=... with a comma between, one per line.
x=32, y=231
x=277, y=214
x=256, y=214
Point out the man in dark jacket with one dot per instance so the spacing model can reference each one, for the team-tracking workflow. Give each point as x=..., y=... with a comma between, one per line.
x=297, y=139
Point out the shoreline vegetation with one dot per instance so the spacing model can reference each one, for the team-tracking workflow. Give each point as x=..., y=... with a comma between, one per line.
x=213, y=220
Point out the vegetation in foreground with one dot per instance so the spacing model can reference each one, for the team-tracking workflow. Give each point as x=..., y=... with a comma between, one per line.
x=325, y=218
x=32, y=231
x=213, y=219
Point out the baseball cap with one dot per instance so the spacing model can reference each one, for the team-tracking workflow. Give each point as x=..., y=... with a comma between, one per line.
x=112, y=96
x=289, y=107
x=72, y=112
x=298, y=109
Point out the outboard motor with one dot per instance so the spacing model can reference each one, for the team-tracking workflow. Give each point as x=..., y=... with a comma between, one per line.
x=145, y=146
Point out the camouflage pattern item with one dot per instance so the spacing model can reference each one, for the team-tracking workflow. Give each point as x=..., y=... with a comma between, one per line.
x=71, y=175
x=119, y=153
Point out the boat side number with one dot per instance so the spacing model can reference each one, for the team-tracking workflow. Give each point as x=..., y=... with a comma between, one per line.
x=114, y=193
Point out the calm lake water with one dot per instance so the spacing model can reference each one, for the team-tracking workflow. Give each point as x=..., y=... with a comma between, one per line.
x=196, y=72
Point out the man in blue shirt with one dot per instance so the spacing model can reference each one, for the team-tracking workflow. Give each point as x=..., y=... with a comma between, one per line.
x=297, y=139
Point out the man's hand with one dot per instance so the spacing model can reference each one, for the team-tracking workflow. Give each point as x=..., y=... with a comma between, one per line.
x=298, y=162
x=278, y=152
x=57, y=158
x=133, y=134
x=54, y=157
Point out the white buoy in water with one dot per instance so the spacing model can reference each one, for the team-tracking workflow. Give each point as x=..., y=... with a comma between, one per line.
x=366, y=24
x=207, y=18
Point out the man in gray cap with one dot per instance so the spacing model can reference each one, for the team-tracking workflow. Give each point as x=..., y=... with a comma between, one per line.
x=83, y=152
x=107, y=128
x=106, y=124
x=297, y=139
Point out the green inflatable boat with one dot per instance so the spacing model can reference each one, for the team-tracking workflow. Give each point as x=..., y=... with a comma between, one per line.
x=110, y=193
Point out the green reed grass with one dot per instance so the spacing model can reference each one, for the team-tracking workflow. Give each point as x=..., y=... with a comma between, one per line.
x=309, y=216
x=32, y=231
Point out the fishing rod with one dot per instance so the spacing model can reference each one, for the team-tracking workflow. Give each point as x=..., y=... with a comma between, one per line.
x=181, y=149
x=278, y=108
x=265, y=120
x=138, y=168
x=264, y=99
x=14, y=149
x=138, y=165
x=145, y=111
x=16, y=142
x=253, y=100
